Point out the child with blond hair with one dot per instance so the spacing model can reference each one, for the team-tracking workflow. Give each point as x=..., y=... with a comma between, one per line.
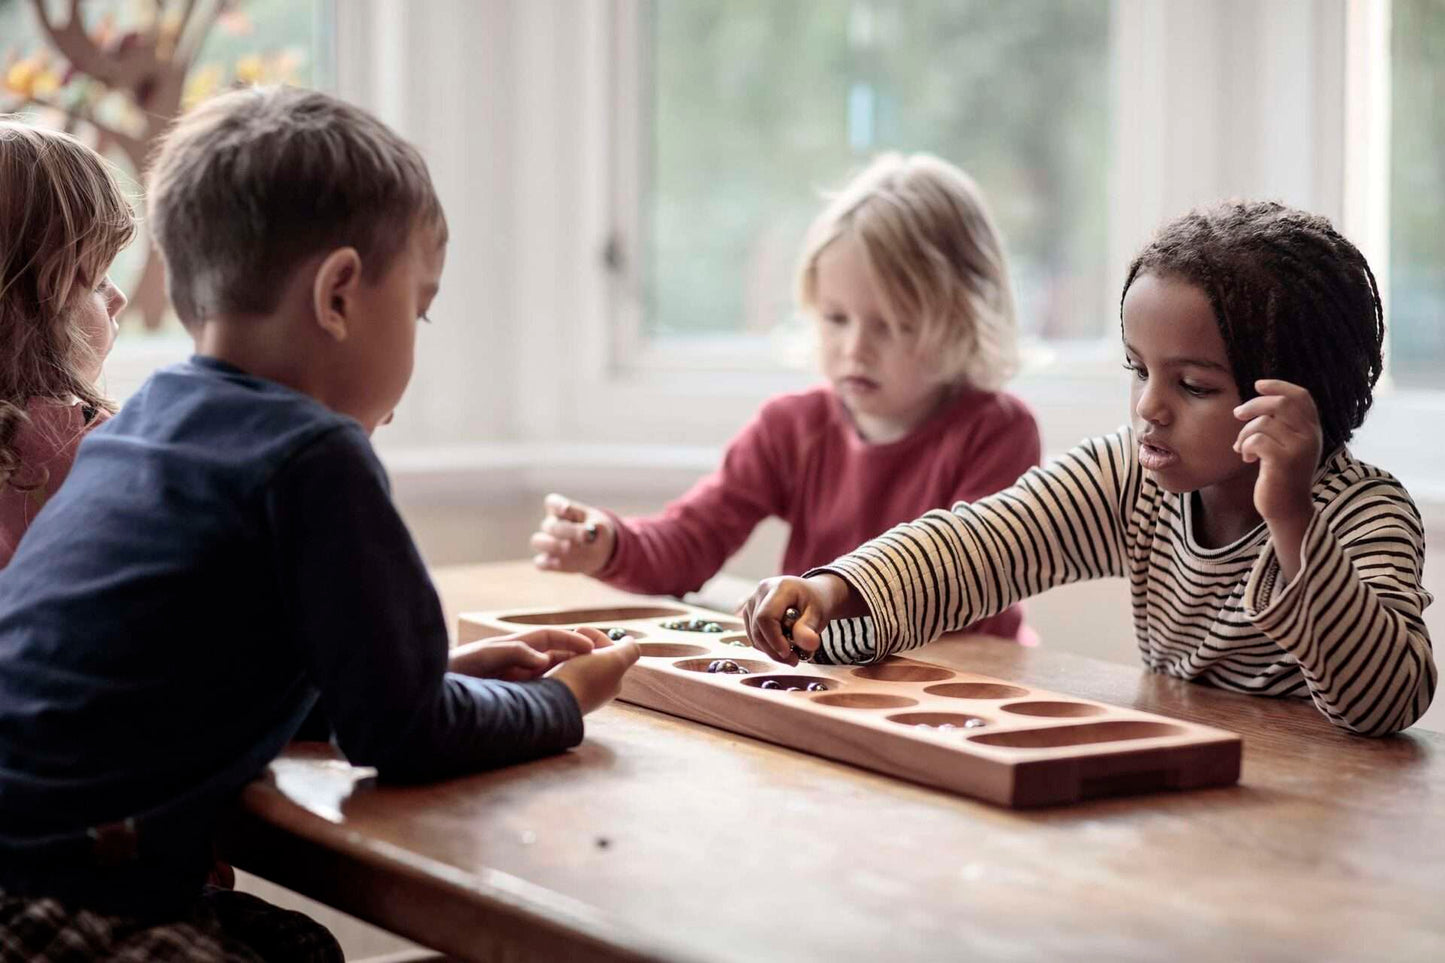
x=906, y=278
x=225, y=556
x=63, y=219
x=1263, y=557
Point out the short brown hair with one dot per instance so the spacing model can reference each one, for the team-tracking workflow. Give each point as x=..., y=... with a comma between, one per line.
x=63, y=219
x=251, y=183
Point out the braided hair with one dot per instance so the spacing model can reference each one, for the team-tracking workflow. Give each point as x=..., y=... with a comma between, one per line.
x=1293, y=299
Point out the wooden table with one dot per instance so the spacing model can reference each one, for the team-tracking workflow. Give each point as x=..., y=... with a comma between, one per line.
x=661, y=839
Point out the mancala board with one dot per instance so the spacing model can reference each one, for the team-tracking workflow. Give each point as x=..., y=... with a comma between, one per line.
x=992, y=739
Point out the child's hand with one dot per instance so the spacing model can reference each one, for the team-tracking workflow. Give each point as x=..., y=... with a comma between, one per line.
x=1282, y=434
x=596, y=678
x=572, y=538
x=526, y=655
x=816, y=600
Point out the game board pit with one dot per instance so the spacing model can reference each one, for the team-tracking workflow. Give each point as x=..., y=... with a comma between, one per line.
x=699, y=624
x=700, y=665
x=1081, y=735
x=738, y=641
x=976, y=690
x=621, y=614
x=670, y=650
x=786, y=682
x=958, y=722
x=903, y=672
x=865, y=700
x=621, y=631
x=1054, y=710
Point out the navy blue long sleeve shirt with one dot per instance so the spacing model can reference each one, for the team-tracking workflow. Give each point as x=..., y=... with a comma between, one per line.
x=224, y=552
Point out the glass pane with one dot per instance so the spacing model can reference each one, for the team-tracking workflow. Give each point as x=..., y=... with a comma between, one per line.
x=757, y=105
x=258, y=41
x=1417, y=194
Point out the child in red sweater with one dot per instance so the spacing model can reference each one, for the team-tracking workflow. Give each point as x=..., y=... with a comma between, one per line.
x=905, y=273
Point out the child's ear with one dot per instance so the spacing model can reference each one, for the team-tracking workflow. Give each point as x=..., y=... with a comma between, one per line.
x=334, y=293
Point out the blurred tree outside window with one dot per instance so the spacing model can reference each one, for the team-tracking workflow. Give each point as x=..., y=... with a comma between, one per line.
x=116, y=72
x=757, y=106
x=1417, y=194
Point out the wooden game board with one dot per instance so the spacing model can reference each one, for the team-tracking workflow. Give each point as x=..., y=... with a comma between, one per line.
x=1032, y=747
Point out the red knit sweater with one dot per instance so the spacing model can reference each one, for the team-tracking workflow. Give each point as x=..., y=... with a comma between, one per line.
x=801, y=459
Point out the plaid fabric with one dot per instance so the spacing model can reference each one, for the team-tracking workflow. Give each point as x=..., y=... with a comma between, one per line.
x=225, y=926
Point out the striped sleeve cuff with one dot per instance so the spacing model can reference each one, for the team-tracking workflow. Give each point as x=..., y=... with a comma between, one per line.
x=882, y=620
x=847, y=642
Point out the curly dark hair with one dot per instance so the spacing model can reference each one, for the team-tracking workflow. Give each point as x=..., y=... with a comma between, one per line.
x=1292, y=297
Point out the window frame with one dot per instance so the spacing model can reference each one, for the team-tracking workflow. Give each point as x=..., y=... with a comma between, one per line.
x=1160, y=166
x=625, y=248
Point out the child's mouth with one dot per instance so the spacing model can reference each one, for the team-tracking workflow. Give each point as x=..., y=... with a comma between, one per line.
x=856, y=383
x=1156, y=457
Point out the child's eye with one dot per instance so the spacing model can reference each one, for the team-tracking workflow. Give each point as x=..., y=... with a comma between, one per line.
x=1198, y=391
x=835, y=318
x=425, y=317
x=1137, y=371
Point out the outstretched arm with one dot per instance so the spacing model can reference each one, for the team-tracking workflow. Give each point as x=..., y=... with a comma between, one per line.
x=1059, y=524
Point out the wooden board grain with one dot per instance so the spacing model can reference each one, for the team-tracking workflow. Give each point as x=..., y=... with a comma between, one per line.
x=969, y=733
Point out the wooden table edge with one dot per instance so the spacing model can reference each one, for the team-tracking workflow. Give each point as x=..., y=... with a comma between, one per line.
x=278, y=840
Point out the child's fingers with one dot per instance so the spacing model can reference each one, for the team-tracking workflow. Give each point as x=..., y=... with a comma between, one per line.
x=1290, y=412
x=549, y=554
x=1277, y=386
x=568, y=534
x=1300, y=407
x=1261, y=446
x=557, y=640
x=620, y=655
x=1260, y=405
x=1258, y=426
x=545, y=544
x=494, y=658
x=559, y=506
x=597, y=637
x=807, y=633
x=766, y=629
x=1263, y=424
x=518, y=652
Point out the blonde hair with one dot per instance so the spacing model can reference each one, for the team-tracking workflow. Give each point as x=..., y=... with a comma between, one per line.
x=251, y=183
x=63, y=219
x=936, y=257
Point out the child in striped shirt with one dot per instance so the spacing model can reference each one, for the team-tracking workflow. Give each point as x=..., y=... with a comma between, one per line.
x=1262, y=556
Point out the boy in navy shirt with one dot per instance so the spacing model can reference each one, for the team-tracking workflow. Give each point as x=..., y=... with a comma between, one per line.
x=225, y=556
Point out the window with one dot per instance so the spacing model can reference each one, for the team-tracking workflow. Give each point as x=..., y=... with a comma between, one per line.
x=755, y=106
x=1417, y=194
x=92, y=88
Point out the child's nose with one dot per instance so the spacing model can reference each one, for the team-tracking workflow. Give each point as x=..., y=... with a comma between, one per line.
x=856, y=344
x=117, y=302
x=1150, y=406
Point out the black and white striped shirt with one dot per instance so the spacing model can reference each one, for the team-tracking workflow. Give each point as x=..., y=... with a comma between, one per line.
x=1347, y=632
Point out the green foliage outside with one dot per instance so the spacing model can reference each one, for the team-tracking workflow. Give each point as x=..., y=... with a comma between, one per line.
x=757, y=105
